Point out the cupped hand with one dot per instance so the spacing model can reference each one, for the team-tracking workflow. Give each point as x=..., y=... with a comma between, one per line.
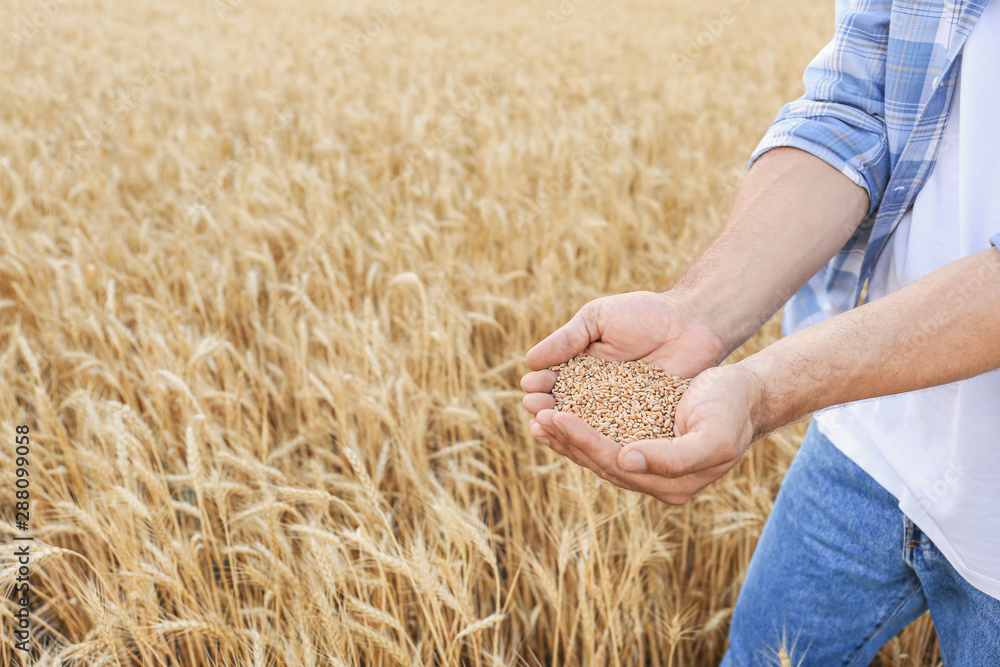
x=714, y=427
x=657, y=328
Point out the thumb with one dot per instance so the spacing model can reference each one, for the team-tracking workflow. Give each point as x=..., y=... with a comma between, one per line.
x=671, y=457
x=565, y=342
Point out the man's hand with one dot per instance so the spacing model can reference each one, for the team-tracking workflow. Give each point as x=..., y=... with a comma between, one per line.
x=792, y=214
x=902, y=342
x=656, y=328
x=714, y=430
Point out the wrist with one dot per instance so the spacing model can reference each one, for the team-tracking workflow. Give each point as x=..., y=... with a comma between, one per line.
x=712, y=312
x=768, y=409
x=712, y=347
x=699, y=315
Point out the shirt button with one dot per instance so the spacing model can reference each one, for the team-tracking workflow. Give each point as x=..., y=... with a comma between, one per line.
x=936, y=82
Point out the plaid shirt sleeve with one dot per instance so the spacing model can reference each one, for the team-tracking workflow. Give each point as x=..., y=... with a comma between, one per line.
x=840, y=117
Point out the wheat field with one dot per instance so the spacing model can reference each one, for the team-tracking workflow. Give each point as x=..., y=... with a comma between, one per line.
x=268, y=272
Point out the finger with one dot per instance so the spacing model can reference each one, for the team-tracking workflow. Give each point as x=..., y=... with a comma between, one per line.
x=546, y=419
x=562, y=451
x=545, y=437
x=691, y=453
x=539, y=433
x=600, y=454
x=680, y=490
x=599, y=450
x=565, y=342
x=534, y=403
x=539, y=381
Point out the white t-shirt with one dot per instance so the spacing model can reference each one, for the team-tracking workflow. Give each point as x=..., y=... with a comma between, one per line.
x=938, y=450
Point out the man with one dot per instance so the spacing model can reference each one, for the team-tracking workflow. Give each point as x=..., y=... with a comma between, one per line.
x=884, y=173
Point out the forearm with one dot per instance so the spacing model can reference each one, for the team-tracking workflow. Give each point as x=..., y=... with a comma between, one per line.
x=792, y=214
x=942, y=328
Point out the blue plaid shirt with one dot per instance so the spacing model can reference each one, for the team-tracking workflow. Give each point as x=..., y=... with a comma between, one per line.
x=875, y=108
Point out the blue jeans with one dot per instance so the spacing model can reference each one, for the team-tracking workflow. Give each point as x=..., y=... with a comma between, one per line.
x=840, y=570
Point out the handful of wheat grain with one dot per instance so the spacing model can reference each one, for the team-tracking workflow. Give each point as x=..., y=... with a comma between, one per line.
x=624, y=400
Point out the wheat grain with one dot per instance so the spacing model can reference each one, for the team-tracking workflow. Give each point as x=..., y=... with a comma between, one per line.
x=624, y=400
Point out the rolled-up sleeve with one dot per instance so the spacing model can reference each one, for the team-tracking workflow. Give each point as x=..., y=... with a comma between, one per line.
x=840, y=118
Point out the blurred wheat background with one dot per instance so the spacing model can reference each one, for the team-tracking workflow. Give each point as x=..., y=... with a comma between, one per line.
x=268, y=274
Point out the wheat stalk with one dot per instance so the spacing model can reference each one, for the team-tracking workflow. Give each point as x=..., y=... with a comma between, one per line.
x=337, y=259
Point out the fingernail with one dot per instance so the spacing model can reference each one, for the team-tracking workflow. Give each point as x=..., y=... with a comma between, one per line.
x=634, y=461
x=544, y=441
